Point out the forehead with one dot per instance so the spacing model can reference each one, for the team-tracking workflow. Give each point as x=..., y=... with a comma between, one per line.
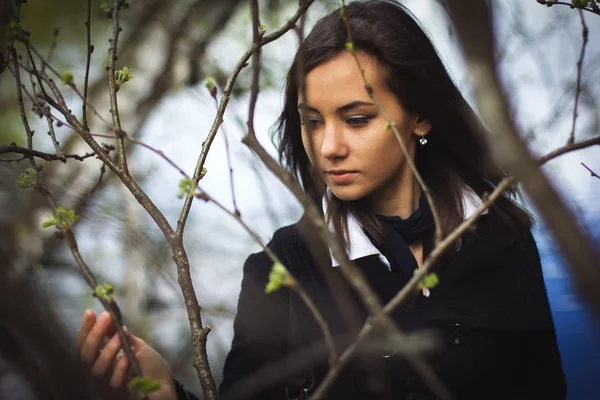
x=339, y=81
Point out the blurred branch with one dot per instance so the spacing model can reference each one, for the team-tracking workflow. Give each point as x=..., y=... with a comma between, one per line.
x=593, y=8
x=223, y=105
x=390, y=125
x=108, y=303
x=26, y=153
x=89, y=51
x=472, y=20
x=584, y=35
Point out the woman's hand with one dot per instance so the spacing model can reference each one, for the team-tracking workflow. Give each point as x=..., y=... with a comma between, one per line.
x=111, y=368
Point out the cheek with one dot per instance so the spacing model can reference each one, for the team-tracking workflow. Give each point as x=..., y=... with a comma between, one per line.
x=309, y=148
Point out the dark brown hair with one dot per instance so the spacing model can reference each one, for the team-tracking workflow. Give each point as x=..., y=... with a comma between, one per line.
x=456, y=156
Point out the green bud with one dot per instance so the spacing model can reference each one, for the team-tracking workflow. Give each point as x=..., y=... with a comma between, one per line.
x=123, y=75
x=279, y=276
x=388, y=126
x=108, y=289
x=107, y=6
x=579, y=3
x=143, y=386
x=428, y=281
x=27, y=179
x=100, y=292
x=349, y=47
x=62, y=218
x=262, y=30
x=210, y=85
x=67, y=78
x=186, y=186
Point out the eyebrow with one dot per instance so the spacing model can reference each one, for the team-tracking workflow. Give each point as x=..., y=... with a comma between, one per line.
x=345, y=107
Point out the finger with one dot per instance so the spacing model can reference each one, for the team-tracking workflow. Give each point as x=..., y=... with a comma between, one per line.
x=112, y=329
x=94, y=339
x=135, y=342
x=119, y=375
x=107, y=356
x=87, y=322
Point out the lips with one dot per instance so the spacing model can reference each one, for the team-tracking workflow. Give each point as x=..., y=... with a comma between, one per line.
x=341, y=176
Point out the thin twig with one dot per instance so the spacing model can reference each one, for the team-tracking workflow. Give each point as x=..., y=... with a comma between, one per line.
x=595, y=175
x=199, y=332
x=89, y=51
x=198, y=172
x=71, y=84
x=392, y=125
x=228, y=154
x=39, y=185
x=52, y=135
x=562, y=3
x=22, y=107
x=107, y=149
x=112, y=89
x=472, y=19
x=26, y=153
x=584, y=36
x=568, y=148
x=52, y=48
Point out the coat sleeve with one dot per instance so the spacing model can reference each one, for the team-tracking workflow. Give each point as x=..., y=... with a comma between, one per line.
x=260, y=337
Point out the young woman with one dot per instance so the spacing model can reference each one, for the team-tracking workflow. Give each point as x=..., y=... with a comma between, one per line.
x=494, y=331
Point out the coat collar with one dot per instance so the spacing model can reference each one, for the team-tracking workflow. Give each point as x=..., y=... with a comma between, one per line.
x=360, y=245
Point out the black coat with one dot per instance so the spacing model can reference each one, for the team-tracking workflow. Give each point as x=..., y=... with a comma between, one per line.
x=490, y=311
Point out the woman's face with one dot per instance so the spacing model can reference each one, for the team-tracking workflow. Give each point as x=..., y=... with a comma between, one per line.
x=349, y=146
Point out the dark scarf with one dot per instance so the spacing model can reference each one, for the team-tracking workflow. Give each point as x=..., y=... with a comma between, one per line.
x=400, y=233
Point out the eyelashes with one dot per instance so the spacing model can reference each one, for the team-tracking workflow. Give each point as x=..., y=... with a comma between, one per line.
x=358, y=121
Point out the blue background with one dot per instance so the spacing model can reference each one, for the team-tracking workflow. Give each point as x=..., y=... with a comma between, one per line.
x=577, y=330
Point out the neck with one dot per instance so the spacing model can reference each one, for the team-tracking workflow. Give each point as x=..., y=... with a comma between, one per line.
x=399, y=200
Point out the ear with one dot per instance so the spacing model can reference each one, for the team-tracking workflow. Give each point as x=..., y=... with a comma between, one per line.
x=420, y=126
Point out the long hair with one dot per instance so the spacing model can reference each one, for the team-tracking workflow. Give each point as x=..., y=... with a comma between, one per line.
x=456, y=157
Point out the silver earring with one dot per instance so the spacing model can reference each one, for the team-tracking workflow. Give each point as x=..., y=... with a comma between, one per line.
x=423, y=141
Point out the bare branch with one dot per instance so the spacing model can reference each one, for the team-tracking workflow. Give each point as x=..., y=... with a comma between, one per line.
x=39, y=154
x=472, y=20
x=109, y=305
x=22, y=106
x=595, y=175
x=112, y=89
x=89, y=51
x=593, y=9
x=567, y=149
x=584, y=35
x=223, y=105
x=391, y=125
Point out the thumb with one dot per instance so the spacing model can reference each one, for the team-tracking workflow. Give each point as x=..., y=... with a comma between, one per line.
x=135, y=342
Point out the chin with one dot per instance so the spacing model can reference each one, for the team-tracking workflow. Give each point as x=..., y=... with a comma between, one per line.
x=347, y=193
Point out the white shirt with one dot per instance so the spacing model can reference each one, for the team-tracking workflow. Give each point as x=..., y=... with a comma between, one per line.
x=359, y=244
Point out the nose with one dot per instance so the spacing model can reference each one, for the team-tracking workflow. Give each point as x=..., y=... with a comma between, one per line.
x=334, y=142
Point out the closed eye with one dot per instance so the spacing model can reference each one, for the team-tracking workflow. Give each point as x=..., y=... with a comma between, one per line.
x=314, y=123
x=359, y=121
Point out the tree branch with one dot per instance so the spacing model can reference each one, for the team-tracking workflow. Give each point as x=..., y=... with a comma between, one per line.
x=26, y=153
x=473, y=23
x=584, y=36
x=89, y=50
x=198, y=172
x=595, y=175
x=391, y=125
x=112, y=89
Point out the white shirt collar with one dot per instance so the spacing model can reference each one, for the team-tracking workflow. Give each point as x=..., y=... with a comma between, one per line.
x=360, y=245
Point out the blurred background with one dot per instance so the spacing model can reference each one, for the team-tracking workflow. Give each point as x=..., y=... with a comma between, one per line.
x=172, y=47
